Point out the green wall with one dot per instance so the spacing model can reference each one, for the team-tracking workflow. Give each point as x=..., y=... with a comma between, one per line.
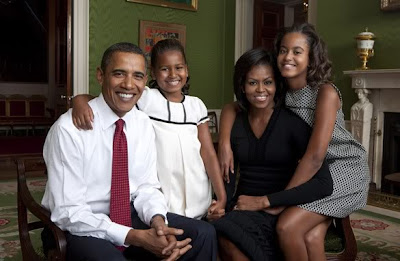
x=339, y=22
x=209, y=41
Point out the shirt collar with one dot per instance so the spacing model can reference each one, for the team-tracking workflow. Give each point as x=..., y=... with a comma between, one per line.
x=108, y=117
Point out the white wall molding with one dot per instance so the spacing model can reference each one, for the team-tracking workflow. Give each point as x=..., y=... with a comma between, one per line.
x=80, y=46
x=312, y=12
x=243, y=27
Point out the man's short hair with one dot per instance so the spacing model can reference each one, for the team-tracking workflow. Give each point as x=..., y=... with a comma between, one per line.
x=120, y=47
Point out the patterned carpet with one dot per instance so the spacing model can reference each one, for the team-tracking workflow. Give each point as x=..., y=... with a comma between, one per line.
x=378, y=236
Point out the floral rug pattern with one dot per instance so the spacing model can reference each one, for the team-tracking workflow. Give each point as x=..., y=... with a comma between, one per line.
x=378, y=236
x=9, y=237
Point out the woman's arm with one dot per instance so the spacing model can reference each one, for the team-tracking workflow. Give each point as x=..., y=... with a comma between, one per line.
x=320, y=186
x=328, y=103
x=225, y=155
x=210, y=160
x=82, y=114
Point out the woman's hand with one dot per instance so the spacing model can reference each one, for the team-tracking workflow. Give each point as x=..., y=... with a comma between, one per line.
x=82, y=114
x=275, y=211
x=252, y=203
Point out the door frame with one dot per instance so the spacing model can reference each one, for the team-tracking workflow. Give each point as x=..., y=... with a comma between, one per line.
x=244, y=24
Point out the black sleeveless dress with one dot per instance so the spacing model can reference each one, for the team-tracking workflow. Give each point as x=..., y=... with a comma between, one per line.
x=266, y=165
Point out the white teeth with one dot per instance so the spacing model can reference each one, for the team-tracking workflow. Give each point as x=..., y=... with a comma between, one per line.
x=125, y=95
x=288, y=65
x=174, y=82
x=260, y=98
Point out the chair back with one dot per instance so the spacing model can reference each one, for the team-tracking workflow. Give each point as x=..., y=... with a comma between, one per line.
x=17, y=105
x=213, y=122
x=37, y=106
x=25, y=203
x=2, y=106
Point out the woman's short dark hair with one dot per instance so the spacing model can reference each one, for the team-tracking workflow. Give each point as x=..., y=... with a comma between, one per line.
x=163, y=46
x=244, y=64
x=320, y=67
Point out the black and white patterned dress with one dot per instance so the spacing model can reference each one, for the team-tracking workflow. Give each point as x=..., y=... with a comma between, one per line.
x=346, y=158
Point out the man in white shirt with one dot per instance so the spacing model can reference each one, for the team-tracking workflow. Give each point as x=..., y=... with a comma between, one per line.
x=79, y=165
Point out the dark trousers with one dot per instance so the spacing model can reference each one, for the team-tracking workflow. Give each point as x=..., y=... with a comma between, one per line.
x=204, y=242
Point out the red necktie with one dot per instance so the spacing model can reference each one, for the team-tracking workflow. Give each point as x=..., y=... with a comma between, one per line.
x=120, y=211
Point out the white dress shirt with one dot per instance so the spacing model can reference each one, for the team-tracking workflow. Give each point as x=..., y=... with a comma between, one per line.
x=79, y=165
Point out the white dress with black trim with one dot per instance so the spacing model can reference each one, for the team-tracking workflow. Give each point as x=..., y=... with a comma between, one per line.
x=181, y=170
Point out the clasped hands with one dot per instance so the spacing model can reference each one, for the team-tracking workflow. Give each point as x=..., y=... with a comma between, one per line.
x=160, y=240
x=216, y=210
x=253, y=203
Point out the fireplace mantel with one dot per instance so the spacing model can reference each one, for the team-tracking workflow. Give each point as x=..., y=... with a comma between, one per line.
x=383, y=87
x=375, y=79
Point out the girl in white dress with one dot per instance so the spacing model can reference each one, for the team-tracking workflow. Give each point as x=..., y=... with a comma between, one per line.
x=186, y=159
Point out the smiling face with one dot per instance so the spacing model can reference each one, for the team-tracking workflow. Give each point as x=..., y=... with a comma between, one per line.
x=293, y=57
x=123, y=81
x=171, y=74
x=260, y=87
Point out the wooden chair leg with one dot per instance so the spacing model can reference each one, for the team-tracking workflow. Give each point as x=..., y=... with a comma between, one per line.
x=350, y=245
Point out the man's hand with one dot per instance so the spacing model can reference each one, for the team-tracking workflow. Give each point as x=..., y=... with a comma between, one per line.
x=251, y=203
x=216, y=210
x=181, y=248
x=147, y=239
x=158, y=223
x=164, y=246
x=171, y=248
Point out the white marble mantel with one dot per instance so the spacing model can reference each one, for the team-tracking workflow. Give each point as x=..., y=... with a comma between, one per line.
x=384, y=88
x=375, y=79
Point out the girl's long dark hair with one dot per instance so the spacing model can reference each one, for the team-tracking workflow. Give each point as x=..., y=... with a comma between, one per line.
x=319, y=67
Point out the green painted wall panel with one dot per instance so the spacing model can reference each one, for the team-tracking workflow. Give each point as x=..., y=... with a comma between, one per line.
x=339, y=22
x=209, y=40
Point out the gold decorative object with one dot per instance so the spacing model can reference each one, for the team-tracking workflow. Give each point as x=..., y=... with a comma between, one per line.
x=365, y=47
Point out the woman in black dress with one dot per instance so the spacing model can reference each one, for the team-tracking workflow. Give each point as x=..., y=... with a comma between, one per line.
x=267, y=141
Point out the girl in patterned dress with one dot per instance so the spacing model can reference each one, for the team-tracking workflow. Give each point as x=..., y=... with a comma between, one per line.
x=303, y=62
x=186, y=159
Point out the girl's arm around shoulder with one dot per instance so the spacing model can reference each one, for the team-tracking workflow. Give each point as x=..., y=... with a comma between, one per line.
x=328, y=103
x=210, y=160
x=82, y=114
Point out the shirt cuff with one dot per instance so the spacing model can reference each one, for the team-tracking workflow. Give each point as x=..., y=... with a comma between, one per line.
x=159, y=215
x=118, y=233
x=155, y=211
